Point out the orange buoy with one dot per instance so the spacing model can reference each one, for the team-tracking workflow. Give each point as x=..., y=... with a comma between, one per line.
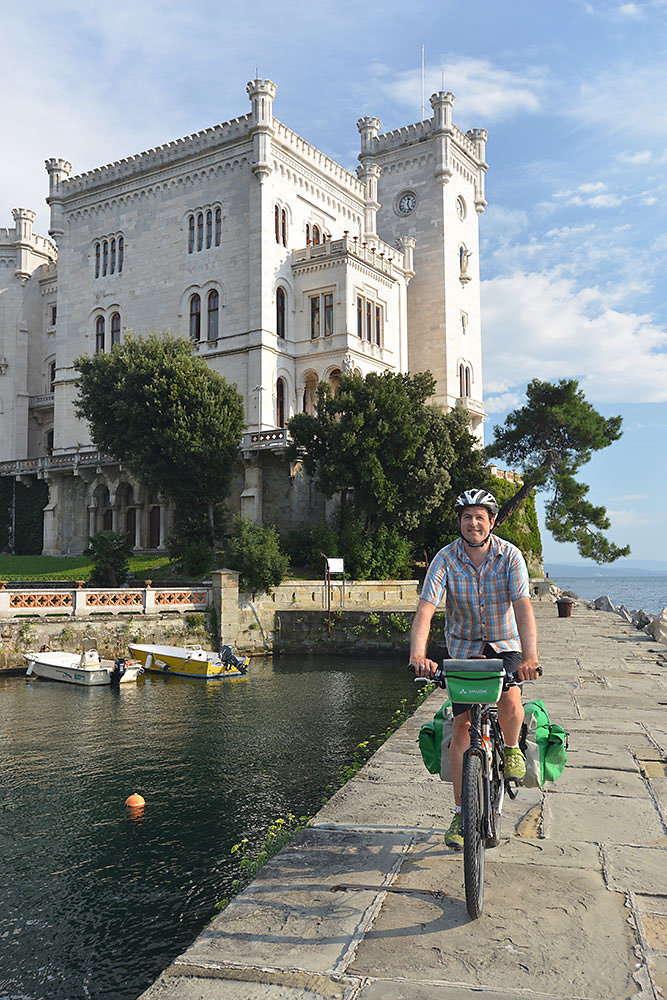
x=135, y=801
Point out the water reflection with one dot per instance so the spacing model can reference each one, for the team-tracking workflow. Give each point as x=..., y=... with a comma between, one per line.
x=97, y=900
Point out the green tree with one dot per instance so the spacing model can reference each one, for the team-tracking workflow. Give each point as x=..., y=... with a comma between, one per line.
x=380, y=446
x=111, y=553
x=254, y=551
x=170, y=419
x=550, y=438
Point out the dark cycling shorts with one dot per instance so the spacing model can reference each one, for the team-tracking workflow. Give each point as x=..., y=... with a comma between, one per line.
x=511, y=661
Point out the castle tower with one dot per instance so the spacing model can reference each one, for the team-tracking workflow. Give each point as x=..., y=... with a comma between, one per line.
x=431, y=188
x=58, y=171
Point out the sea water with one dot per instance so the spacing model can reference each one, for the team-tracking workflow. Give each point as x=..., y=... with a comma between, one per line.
x=646, y=592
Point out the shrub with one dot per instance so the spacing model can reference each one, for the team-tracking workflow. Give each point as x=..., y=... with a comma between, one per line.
x=254, y=551
x=111, y=553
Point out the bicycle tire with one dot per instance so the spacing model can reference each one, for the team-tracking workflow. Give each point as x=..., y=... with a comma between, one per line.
x=472, y=808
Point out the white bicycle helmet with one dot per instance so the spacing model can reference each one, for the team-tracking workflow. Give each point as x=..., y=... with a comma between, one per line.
x=477, y=498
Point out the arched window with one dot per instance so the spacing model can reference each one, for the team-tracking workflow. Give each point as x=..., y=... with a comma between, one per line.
x=280, y=313
x=200, y=231
x=97, y=260
x=191, y=234
x=334, y=381
x=105, y=257
x=218, y=226
x=112, y=269
x=310, y=394
x=276, y=222
x=121, y=253
x=317, y=236
x=209, y=229
x=212, y=316
x=280, y=402
x=115, y=328
x=283, y=226
x=99, y=335
x=195, y=318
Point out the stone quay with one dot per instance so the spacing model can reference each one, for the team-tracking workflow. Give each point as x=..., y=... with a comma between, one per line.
x=367, y=903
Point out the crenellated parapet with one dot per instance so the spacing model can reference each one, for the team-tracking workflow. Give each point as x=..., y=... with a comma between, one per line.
x=292, y=142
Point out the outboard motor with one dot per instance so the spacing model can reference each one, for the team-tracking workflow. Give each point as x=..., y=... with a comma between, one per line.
x=119, y=668
x=230, y=659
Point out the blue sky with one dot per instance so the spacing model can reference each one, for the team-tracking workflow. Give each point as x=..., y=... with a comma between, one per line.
x=574, y=241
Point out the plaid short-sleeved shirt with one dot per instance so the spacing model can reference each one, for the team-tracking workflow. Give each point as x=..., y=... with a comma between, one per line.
x=478, y=601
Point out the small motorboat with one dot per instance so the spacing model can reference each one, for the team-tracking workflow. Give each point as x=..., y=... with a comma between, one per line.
x=84, y=668
x=190, y=661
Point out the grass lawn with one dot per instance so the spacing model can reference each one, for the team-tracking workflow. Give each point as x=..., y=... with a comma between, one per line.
x=66, y=568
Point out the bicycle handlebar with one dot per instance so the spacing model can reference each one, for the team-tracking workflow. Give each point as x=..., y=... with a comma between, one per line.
x=439, y=676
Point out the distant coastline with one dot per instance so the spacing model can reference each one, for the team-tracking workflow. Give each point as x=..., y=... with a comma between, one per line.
x=646, y=593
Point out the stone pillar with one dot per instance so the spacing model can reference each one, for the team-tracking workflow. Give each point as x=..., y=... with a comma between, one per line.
x=226, y=603
x=479, y=136
x=369, y=171
x=23, y=220
x=442, y=130
x=261, y=94
x=251, y=498
x=58, y=171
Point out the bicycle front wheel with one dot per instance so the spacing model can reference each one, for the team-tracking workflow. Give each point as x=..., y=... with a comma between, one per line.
x=472, y=807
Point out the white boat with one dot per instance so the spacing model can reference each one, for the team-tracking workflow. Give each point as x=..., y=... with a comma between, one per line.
x=84, y=668
x=190, y=661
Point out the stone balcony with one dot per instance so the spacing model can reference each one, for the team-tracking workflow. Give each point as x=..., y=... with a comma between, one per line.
x=375, y=253
x=43, y=402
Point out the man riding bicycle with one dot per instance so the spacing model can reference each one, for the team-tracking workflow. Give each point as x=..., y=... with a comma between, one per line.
x=488, y=613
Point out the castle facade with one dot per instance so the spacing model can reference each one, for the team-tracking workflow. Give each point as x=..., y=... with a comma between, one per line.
x=283, y=268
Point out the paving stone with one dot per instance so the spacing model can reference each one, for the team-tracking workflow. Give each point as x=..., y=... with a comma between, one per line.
x=291, y=916
x=589, y=781
x=603, y=819
x=637, y=869
x=579, y=947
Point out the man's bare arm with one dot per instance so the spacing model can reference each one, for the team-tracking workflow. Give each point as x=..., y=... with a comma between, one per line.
x=421, y=626
x=525, y=621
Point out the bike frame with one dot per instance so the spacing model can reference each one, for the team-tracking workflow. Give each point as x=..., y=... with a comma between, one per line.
x=485, y=732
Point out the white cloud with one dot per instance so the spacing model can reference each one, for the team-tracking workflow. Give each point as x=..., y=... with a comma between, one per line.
x=502, y=402
x=631, y=10
x=625, y=518
x=484, y=91
x=542, y=326
x=636, y=159
x=593, y=194
x=626, y=93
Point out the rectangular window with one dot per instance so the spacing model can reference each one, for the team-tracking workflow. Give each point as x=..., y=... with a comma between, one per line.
x=314, y=317
x=328, y=314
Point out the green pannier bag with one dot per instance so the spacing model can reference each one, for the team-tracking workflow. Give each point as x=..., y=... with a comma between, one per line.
x=434, y=739
x=544, y=743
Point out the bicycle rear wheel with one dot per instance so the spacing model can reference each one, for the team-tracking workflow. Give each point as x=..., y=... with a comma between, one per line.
x=472, y=808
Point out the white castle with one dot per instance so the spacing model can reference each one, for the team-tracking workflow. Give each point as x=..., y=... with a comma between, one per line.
x=283, y=268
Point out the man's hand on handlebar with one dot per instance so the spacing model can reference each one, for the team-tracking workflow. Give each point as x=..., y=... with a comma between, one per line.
x=423, y=667
x=528, y=670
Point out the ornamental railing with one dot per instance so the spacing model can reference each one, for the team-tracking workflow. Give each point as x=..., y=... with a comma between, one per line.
x=80, y=601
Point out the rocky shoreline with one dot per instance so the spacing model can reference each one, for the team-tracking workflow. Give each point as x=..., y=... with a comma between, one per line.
x=653, y=625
